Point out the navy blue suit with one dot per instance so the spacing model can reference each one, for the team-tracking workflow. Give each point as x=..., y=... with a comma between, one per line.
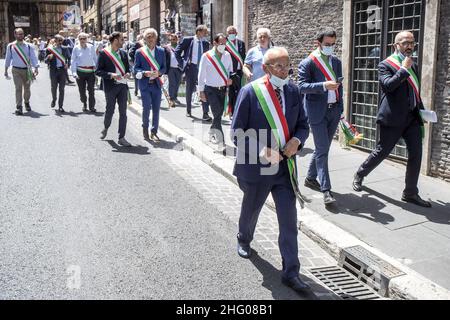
x=323, y=118
x=251, y=132
x=183, y=53
x=237, y=74
x=58, y=74
x=398, y=116
x=150, y=89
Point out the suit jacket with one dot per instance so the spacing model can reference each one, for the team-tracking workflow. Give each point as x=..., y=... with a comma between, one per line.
x=184, y=49
x=132, y=52
x=141, y=65
x=397, y=96
x=168, y=53
x=53, y=62
x=105, y=67
x=240, y=46
x=311, y=81
x=249, y=115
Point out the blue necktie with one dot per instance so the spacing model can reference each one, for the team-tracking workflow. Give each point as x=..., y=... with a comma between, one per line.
x=199, y=51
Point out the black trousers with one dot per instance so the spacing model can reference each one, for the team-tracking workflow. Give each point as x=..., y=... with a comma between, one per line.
x=58, y=80
x=86, y=80
x=216, y=99
x=118, y=93
x=191, y=86
x=389, y=136
x=234, y=89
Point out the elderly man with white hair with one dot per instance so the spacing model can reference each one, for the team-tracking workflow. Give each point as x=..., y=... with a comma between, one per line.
x=268, y=128
x=254, y=60
x=83, y=64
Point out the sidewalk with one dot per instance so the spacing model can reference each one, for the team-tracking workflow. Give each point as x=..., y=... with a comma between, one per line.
x=411, y=238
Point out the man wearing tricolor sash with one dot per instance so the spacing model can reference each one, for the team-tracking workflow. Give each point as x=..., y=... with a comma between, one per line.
x=57, y=58
x=149, y=66
x=22, y=58
x=213, y=81
x=269, y=127
x=83, y=64
x=114, y=69
x=318, y=81
x=236, y=47
x=399, y=116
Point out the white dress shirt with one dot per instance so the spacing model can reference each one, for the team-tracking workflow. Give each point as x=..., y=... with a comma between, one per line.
x=208, y=74
x=331, y=93
x=195, y=49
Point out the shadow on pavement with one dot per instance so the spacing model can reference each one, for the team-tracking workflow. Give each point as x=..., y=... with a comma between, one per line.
x=164, y=144
x=272, y=281
x=34, y=114
x=135, y=149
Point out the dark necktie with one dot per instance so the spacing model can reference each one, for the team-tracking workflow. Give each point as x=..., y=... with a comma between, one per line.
x=278, y=93
x=199, y=52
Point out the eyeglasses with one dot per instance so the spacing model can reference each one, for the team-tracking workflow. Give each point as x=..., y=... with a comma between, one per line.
x=407, y=43
x=280, y=67
x=83, y=38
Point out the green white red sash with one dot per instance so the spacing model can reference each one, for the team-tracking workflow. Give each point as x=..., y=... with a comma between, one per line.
x=58, y=55
x=116, y=60
x=273, y=111
x=321, y=61
x=86, y=69
x=223, y=73
x=24, y=59
x=151, y=61
x=118, y=63
x=234, y=52
x=396, y=62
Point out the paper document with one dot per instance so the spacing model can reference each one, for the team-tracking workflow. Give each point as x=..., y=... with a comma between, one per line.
x=428, y=116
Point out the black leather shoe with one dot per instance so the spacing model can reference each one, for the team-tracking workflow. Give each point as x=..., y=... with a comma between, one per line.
x=244, y=251
x=19, y=111
x=145, y=133
x=188, y=114
x=328, y=198
x=27, y=107
x=417, y=200
x=312, y=183
x=84, y=108
x=93, y=110
x=103, y=133
x=296, y=284
x=206, y=117
x=61, y=109
x=357, y=183
x=53, y=104
x=155, y=137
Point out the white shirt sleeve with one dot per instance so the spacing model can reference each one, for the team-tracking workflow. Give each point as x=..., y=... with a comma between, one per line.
x=202, y=74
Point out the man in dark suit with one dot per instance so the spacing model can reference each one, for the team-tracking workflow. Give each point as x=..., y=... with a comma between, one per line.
x=262, y=162
x=57, y=57
x=114, y=69
x=188, y=53
x=236, y=48
x=398, y=116
x=173, y=71
x=318, y=81
x=150, y=65
x=131, y=56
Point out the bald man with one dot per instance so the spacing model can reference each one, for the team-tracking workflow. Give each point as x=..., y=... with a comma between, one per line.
x=398, y=116
x=268, y=128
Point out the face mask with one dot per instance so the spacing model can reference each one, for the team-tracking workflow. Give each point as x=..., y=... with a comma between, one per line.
x=328, y=50
x=401, y=55
x=232, y=37
x=221, y=48
x=278, y=82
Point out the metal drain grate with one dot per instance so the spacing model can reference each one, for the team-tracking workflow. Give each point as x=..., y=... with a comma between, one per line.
x=343, y=283
x=368, y=268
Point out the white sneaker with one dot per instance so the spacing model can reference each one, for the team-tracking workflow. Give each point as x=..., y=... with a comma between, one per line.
x=124, y=142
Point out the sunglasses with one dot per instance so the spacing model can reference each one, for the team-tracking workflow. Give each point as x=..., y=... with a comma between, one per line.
x=83, y=38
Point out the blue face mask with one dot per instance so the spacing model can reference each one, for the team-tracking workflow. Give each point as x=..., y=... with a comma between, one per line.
x=278, y=82
x=328, y=50
x=232, y=37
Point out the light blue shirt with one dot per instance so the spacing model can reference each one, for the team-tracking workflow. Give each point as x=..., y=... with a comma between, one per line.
x=12, y=57
x=83, y=57
x=255, y=59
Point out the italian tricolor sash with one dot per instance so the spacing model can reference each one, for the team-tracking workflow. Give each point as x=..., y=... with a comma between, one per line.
x=118, y=63
x=322, y=63
x=277, y=120
x=116, y=60
x=24, y=59
x=151, y=61
x=223, y=73
x=396, y=62
x=58, y=55
x=86, y=69
x=234, y=52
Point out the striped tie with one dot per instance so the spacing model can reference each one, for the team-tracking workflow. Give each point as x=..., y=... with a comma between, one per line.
x=278, y=93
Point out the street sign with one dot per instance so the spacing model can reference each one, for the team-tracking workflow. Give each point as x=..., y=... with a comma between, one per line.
x=72, y=17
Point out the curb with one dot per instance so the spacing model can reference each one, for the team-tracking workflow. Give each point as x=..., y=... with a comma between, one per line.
x=333, y=239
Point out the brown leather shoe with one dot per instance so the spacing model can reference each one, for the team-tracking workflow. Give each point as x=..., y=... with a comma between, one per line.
x=145, y=133
x=154, y=137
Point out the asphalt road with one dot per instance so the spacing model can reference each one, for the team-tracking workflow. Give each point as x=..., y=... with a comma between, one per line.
x=82, y=218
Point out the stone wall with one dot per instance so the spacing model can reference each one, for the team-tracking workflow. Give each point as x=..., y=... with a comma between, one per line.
x=440, y=150
x=294, y=23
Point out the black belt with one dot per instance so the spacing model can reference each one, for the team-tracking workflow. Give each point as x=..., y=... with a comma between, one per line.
x=332, y=105
x=217, y=88
x=20, y=68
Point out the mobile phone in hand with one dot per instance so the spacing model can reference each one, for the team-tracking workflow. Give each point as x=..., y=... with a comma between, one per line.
x=340, y=79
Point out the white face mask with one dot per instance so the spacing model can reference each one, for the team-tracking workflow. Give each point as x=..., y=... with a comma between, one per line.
x=221, y=48
x=278, y=82
x=328, y=50
x=232, y=37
